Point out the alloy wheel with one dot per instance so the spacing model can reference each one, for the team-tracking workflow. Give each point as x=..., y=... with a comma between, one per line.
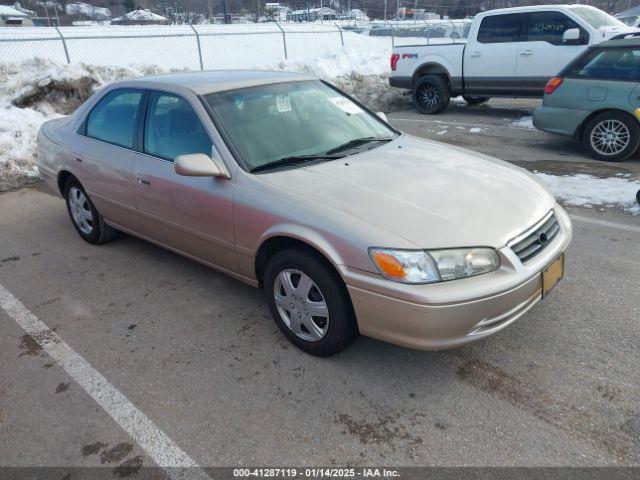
x=80, y=210
x=429, y=95
x=301, y=304
x=610, y=137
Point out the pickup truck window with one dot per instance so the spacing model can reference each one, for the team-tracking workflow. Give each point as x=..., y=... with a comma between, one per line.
x=597, y=18
x=549, y=27
x=501, y=28
x=608, y=64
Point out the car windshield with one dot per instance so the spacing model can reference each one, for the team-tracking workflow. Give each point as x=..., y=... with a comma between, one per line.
x=597, y=18
x=271, y=125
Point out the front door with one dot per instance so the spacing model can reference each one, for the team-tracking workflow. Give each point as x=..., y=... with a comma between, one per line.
x=542, y=53
x=190, y=214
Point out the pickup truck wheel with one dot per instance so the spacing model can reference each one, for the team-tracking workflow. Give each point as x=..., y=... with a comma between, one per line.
x=474, y=100
x=611, y=136
x=431, y=94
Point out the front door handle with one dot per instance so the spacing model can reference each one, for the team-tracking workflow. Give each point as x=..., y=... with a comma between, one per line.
x=143, y=180
x=475, y=54
x=526, y=52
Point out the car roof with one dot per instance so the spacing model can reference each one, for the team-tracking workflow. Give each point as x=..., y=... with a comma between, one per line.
x=217, y=80
x=535, y=8
x=621, y=42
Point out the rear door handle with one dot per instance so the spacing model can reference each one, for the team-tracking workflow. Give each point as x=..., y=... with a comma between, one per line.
x=143, y=180
x=475, y=54
x=526, y=52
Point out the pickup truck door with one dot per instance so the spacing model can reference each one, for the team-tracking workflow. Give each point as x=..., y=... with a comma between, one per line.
x=490, y=59
x=542, y=53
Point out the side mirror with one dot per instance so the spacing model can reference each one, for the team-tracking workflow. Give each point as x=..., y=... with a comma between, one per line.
x=382, y=116
x=571, y=36
x=199, y=165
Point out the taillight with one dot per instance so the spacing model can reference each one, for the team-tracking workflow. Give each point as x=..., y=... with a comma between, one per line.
x=394, y=60
x=552, y=85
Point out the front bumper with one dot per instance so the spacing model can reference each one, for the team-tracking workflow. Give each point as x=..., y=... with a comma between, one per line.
x=450, y=314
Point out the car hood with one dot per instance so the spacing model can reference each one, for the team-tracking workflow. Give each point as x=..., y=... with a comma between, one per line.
x=432, y=195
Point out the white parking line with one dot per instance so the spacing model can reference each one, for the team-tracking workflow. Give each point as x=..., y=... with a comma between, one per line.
x=151, y=439
x=605, y=223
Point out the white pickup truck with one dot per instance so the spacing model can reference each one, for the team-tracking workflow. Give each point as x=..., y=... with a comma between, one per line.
x=509, y=52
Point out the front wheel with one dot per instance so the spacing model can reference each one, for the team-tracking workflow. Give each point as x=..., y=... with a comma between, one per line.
x=611, y=136
x=431, y=94
x=309, y=302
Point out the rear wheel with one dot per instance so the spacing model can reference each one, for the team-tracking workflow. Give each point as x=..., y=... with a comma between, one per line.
x=309, y=302
x=611, y=136
x=431, y=94
x=474, y=100
x=84, y=216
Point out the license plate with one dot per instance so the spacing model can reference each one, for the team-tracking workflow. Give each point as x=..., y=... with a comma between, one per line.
x=552, y=274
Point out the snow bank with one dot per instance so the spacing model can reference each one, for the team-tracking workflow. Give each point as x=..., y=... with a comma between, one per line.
x=34, y=91
x=524, y=122
x=584, y=190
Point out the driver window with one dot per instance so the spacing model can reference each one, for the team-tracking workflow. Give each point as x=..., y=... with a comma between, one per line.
x=549, y=27
x=173, y=128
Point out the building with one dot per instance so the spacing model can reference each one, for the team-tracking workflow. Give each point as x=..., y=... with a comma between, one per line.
x=12, y=17
x=140, y=17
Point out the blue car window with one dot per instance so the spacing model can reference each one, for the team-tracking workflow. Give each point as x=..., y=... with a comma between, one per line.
x=114, y=118
x=173, y=128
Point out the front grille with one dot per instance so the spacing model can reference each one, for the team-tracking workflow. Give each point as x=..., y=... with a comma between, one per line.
x=534, y=241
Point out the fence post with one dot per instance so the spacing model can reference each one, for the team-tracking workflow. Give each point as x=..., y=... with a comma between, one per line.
x=340, y=30
x=284, y=41
x=64, y=44
x=198, y=41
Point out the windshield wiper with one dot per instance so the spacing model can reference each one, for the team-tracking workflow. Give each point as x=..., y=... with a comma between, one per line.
x=356, y=142
x=293, y=160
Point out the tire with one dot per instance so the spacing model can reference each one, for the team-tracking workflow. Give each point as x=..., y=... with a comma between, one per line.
x=611, y=136
x=79, y=205
x=474, y=100
x=431, y=94
x=286, y=275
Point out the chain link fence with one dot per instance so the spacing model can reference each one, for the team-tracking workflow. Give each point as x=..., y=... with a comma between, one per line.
x=215, y=46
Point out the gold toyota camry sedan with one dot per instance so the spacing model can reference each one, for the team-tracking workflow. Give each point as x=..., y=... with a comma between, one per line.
x=286, y=183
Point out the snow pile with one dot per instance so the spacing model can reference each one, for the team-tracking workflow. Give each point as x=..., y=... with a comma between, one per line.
x=34, y=91
x=524, y=122
x=584, y=190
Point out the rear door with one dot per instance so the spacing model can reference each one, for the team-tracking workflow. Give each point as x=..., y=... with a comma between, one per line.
x=542, y=53
x=189, y=214
x=490, y=60
x=104, y=155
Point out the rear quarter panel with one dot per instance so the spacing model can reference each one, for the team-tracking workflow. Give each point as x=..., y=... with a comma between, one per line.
x=414, y=58
x=52, y=155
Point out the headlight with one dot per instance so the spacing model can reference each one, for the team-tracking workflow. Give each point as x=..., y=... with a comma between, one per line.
x=429, y=266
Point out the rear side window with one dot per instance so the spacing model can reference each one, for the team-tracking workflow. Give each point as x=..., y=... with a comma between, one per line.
x=500, y=28
x=607, y=63
x=114, y=118
x=549, y=27
x=173, y=128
